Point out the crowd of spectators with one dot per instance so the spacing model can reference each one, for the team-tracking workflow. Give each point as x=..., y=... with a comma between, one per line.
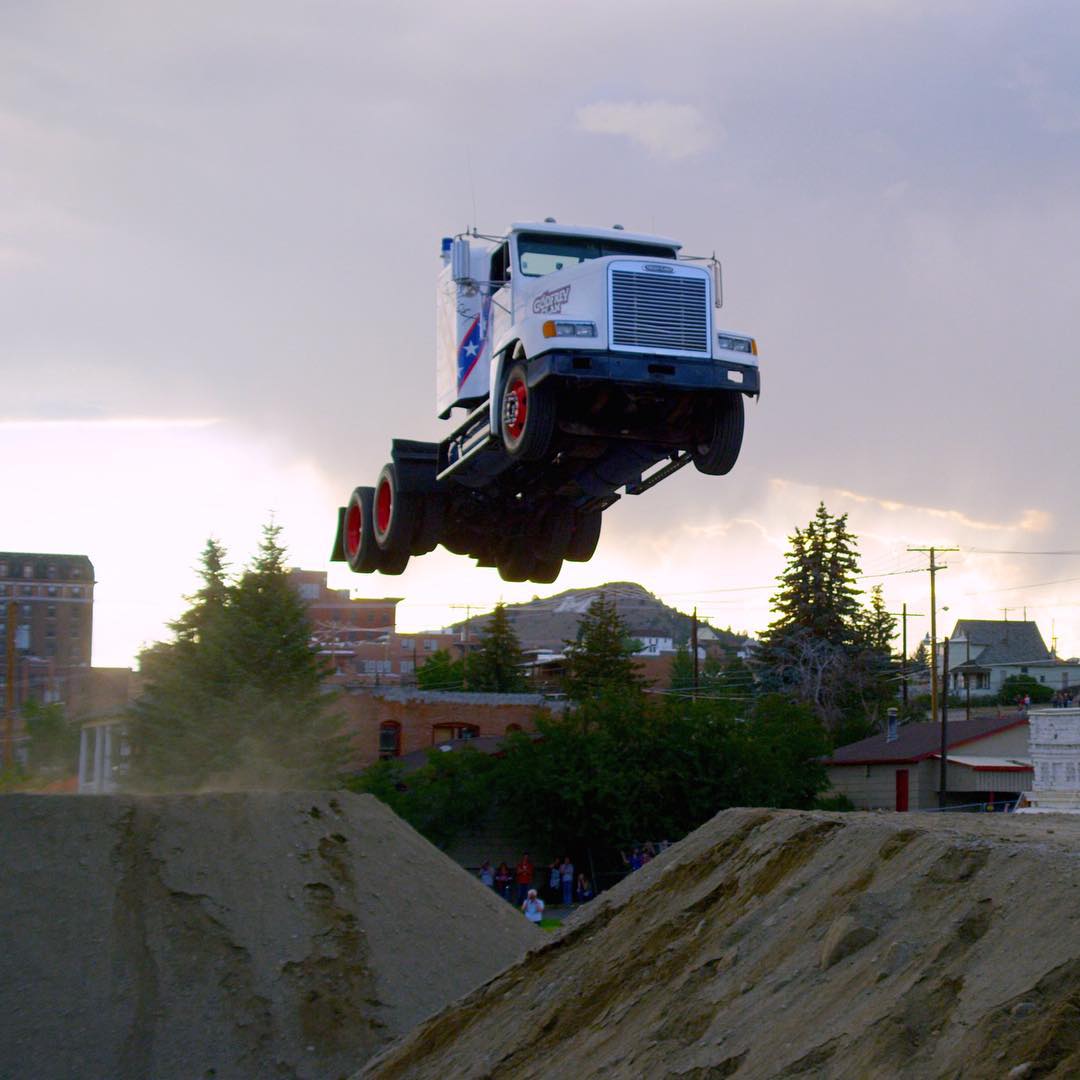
x=560, y=885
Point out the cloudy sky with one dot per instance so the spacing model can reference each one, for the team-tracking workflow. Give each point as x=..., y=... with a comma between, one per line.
x=219, y=227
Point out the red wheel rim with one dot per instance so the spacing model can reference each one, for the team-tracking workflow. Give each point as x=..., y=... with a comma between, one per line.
x=384, y=503
x=515, y=408
x=353, y=523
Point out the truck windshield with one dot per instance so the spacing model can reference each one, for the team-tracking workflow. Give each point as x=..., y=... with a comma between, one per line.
x=540, y=254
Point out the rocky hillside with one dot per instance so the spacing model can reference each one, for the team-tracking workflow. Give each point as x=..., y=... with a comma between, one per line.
x=228, y=936
x=547, y=623
x=789, y=944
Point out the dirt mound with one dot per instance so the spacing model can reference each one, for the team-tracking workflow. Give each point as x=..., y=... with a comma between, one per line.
x=241, y=935
x=788, y=944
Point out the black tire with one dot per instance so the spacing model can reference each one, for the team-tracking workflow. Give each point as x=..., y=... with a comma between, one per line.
x=516, y=565
x=545, y=571
x=358, y=538
x=721, y=437
x=395, y=516
x=585, y=537
x=553, y=533
x=526, y=415
x=429, y=527
x=393, y=562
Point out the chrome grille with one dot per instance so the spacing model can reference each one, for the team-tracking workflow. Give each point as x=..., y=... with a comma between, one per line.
x=657, y=311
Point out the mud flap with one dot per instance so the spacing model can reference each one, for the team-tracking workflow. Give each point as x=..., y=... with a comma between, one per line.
x=337, y=553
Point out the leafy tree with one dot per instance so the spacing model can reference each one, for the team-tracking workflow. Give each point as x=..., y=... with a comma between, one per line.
x=601, y=659
x=682, y=670
x=1017, y=686
x=441, y=672
x=451, y=794
x=54, y=743
x=496, y=667
x=237, y=696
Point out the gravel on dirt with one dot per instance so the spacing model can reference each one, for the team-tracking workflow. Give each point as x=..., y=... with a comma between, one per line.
x=228, y=935
x=774, y=943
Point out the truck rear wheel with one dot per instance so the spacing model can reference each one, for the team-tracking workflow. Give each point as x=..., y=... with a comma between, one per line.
x=720, y=440
x=516, y=565
x=361, y=551
x=395, y=514
x=545, y=571
x=585, y=537
x=527, y=416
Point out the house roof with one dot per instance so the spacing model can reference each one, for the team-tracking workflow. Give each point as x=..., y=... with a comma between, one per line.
x=1006, y=641
x=914, y=742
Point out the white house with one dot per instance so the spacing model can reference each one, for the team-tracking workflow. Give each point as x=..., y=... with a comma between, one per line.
x=983, y=653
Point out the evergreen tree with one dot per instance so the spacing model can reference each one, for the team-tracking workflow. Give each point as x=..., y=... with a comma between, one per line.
x=601, y=659
x=818, y=590
x=496, y=667
x=823, y=648
x=682, y=670
x=237, y=697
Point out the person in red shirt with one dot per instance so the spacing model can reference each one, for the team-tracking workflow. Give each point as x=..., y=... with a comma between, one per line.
x=523, y=875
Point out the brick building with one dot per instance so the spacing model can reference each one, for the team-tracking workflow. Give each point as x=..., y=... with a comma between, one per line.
x=395, y=721
x=53, y=621
x=359, y=636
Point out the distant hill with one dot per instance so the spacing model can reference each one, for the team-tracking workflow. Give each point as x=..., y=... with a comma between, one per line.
x=548, y=623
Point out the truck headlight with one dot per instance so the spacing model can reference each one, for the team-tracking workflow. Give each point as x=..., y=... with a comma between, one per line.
x=737, y=344
x=569, y=328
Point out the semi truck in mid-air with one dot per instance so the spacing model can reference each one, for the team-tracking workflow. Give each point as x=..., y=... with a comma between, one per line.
x=585, y=364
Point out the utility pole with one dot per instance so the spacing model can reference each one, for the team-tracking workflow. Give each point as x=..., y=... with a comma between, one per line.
x=934, y=568
x=943, y=775
x=465, y=644
x=904, y=615
x=693, y=649
x=9, y=688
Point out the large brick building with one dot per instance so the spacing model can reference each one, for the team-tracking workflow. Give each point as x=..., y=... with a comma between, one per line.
x=359, y=636
x=52, y=619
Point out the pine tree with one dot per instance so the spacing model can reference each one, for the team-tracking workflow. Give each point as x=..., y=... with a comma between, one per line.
x=601, y=659
x=682, y=670
x=818, y=592
x=496, y=667
x=237, y=697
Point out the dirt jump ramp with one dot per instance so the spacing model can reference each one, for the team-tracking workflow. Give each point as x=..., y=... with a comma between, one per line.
x=228, y=936
x=790, y=944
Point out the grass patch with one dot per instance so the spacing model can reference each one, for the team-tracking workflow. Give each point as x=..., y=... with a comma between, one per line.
x=550, y=924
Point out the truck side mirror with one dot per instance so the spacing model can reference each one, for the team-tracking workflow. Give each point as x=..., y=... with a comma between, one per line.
x=460, y=260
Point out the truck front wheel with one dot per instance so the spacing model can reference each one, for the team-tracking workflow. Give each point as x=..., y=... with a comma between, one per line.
x=527, y=416
x=717, y=446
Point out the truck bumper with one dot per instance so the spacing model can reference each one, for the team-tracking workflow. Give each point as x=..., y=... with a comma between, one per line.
x=636, y=369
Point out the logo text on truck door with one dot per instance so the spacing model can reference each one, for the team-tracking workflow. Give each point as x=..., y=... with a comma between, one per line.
x=551, y=302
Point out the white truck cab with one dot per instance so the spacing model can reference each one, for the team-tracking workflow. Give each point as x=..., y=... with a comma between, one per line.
x=589, y=366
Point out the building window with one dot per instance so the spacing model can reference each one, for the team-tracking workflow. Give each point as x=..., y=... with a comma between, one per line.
x=309, y=591
x=75, y=590
x=28, y=570
x=3, y=569
x=52, y=590
x=3, y=590
x=51, y=571
x=27, y=609
x=377, y=667
x=430, y=645
x=27, y=590
x=389, y=739
x=406, y=642
x=51, y=611
x=407, y=667
x=446, y=730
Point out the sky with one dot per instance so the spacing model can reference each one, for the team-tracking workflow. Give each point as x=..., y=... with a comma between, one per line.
x=219, y=229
